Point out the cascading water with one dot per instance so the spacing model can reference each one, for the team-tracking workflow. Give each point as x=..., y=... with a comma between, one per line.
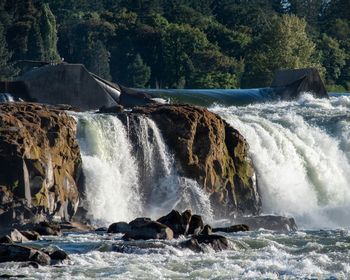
x=301, y=153
x=111, y=175
x=127, y=176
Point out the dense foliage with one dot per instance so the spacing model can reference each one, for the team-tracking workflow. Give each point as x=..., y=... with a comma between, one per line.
x=181, y=43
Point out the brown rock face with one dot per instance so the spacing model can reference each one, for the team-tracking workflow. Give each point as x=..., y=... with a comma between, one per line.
x=211, y=152
x=40, y=159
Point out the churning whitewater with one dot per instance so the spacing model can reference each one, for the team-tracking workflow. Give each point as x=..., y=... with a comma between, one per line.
x=126, y=178
x=301, y=152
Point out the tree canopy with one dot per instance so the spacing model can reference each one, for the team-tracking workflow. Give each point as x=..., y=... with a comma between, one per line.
x=181, y=43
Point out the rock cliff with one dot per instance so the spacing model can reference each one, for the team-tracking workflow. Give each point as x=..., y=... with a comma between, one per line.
x=40, y=162
x=211, y=152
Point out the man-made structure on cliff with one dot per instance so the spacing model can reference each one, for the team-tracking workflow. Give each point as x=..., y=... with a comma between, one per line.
x=289, y=84
x=71, y=84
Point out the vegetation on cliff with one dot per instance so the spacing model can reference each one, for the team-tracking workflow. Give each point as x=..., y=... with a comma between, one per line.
x=182, y=43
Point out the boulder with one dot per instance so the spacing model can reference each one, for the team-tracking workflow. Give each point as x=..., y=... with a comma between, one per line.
x=31, y=235
x=40, y=162
x=120, y=227
x=176, y=222
x=216, y=242
x=234, y=228
x=45, y=228
x=17, y=253
x=211, y=152
x=196, y=225
x=57, y=255
x=269, y=222
x=144, y=228
x=13, y=236
x=206, y=230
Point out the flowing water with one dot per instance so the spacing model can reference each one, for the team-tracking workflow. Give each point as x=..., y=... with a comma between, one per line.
x=301, y=152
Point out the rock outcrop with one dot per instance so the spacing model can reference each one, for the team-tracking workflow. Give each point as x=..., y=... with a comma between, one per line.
x=40, y=163
x=210, y=151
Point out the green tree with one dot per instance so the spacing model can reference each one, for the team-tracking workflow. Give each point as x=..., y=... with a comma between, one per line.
x=138, y=73
x=333, y=58
x=98, y=60
x=284, y=44
x=7, y=70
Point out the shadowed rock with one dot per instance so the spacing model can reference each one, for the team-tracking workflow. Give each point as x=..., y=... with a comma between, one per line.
x=144, y=228
x=120, y=227
x=176, y=222
x=234, y=228
x=216, y=242
x=13, y=236
x=269, y=222
x=196, y=225
x=16, y=253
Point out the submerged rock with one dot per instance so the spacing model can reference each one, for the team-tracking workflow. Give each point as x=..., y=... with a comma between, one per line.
x=269, y=222
x=211, y=152
x=40, y=162
x=234, y=228
x=216, y=242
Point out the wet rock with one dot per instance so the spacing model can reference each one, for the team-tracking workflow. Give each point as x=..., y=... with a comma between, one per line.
x=144, y=228
x=120, y=227
x=186, y=216
x=269, y=222
x=31, y=235
x=6, y=239
x=234, y=228
x=196, y=225
x=206, y=230
x=13, y=236
x=17, y=253
x=101, y=229
x=111, y=109
x=217, y=242
x=176, y=222
x=57, y=255
x=40, y=162
x=211, y=152
x=193, y=245
x=75, y=227
x=198, y=243
x=45, y=228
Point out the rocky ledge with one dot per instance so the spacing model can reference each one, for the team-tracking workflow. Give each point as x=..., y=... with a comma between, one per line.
x=211, y=152
x=40, y=163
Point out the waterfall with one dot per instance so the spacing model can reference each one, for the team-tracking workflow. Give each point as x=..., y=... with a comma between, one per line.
x=111, y=175
x=130, y=172
x=301, y=153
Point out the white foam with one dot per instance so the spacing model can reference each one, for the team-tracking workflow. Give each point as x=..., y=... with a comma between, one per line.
x=301, y=152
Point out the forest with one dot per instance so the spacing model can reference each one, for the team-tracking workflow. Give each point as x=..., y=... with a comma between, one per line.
x=180, y=43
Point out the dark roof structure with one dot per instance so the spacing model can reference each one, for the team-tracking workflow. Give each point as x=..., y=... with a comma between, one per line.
x=68, y=84
x=289, y=84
